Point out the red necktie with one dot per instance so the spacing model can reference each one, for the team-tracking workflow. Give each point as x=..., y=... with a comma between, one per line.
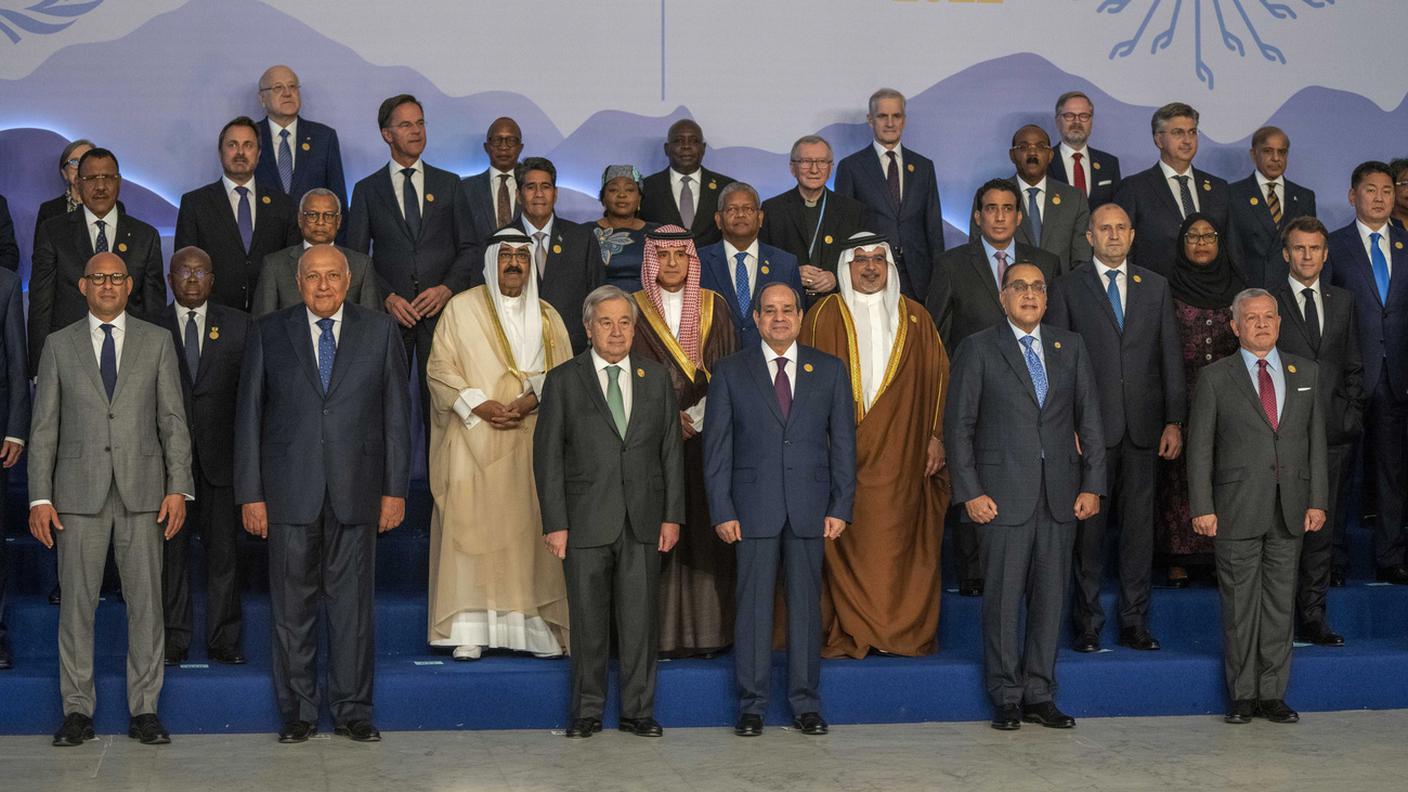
x=1267, y=391
x=1078, y=178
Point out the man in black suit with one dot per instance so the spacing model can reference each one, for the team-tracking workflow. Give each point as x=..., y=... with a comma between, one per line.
x=235, y=220
x=1125, y=315
x=210, y=341
x=492, y=196
x=1262, y=205
x=685, y=194
x=319, y=221
x=9, y=248
x=608, y=458
x=1399, y=217
x=1094, y=172
x=65, y=243
x=14, y=413
x=322, y=465
x=902, y=191
x=299, y=154
x=1158, y=199
x=1319, y=322
x=812, y=222
x=1027, y=455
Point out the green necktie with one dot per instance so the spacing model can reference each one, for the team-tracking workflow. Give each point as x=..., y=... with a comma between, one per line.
x=614, y=400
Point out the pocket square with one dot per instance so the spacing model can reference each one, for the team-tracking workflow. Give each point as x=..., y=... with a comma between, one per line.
x=1104, y=183
x=1302, y=389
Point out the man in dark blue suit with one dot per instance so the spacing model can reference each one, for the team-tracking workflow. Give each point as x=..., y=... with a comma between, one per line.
x=1092, y=171
x=14, y=412
x=1368, y=259
x=298, y=154
x=9, y=248
x=780, y=471
x=322, y=464
x=899, y=186
x=739, y=266
x=1262, y=205
x=492, y=196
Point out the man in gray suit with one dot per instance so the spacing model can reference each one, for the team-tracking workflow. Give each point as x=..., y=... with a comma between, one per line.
x=1026, y=451
x=1258, y=480
x=608, y=458
x=319, y=219
x=109, y=461
x=1055, y=215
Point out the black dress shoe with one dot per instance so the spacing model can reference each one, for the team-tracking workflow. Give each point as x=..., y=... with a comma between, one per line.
x=1008, y=717
x=55, y=595
x=1337, y=578
x=147, y=730
x=226, y=656
x=1138, y=638
x=748, y=725
x=1397, y=575
x=971, y=587
x=6, y=661
x=810, y=723
x=296, y=731
x=1087, y=642
x=358, y=731
x=641, y=727
x=583, y=728
x=177, y=657
x=1242, y=711
x=1276, y=711
x=1320, y=634
x=76, y=730
x=1046, y=714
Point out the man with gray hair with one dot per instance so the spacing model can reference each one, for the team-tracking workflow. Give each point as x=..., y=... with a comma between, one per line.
x=740, y=265
x=1257, y=482
x=299, y=154
x=319, y=221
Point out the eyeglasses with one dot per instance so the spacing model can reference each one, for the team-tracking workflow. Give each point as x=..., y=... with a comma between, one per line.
x=100, y=178
x=189, y=274
x=73, y=163
x=1403, y=183
x=280, y=88
x=809, y=164
x=520, y=256
x=503, y=141
x=1022, y=287
x=1025, y=147
x=99, y=278
x=323, y=217
x=1202, y=239
x=1069, y=117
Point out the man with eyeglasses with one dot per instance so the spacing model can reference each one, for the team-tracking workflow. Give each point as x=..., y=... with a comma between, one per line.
x=1026, y=455
x=299, y=154
x=739, y=266
x=65, y=243
x=236, y=220
x=319, y=220
x=1095, y=173
x=1263, y=205
x=492, y=196
x=1158, y=199
x=812, y=222
x=686, y=193
x=1055, y=215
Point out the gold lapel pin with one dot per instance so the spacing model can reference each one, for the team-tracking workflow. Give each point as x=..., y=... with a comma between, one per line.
x=764, y=269
x=826, y=239
x=1207, y=186
x=913, y=318
x=307, y=147
x=1138, y=279
x=1291, y=368
x=1055, y=200
x=640, y=372
x=429, y=198
x=266, y=200
x=1057, y=344
x=807, y=367
x=1397, y=245
x=121, y=247
x=910, y=167
x=1254, y=201
x=214, y=333
x=713, y=185
x=1095, y=165
x=557, y=248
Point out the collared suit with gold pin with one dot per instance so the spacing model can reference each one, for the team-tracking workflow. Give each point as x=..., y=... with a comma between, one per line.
x=1258, y=237
x=207, y=219
x=317, y=162
x=765, y=263
x=1155, y=210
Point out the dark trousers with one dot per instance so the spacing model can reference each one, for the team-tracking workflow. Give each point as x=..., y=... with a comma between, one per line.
x=323, y=565
x=1386, y=433
x=213, y=515
x=1130, y=482
x=417, y=340
x=967, y=546
x=758, y=562
x=1256, y=582
x=620, y=578
x=1318, y=548
x=4, y=578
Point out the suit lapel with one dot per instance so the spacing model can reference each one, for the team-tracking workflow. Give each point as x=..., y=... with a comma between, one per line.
x=640, y=400
x=586, y=372
x=83, y=347
x=1398, y=257
x=80, y=228
x=212, y=344
x=1242, y=381
x=1165, y=189
x=127, y=359
x=1102, y=296
x=1291, y=306
x=1012, y=352
x=803, y=386
x=350, y=339
x=301, y=339
x=388, y=195
x=794, y=213
x=218, y=205
x=978, y=258
x=758, y=371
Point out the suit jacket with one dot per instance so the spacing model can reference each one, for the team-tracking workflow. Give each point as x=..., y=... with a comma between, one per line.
x=1383, y=327
x=296, y=446
x=1104, y=176
x=62, y=250
x=572, y=270
x=278, y=281
x=716, y=274
x=1065, y=219
x=56, y=207
x=206, y=220
x=657, y=203
x=9, y=248
x=80, y=444
x=442, y=254
x=1258, y=238
x=210, y=395
x=916, y=226
x=1157, y=215
x=1237, y=464
x=14, y=368
x=1341, y=381
x=1138, y=370
x=482, y=199
x=1001, y=443
x=963, y=296
x=592, y=483
x=767, y=472
x=317, y=161
x=785, y=227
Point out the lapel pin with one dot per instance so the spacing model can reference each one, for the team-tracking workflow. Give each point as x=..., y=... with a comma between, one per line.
x=640, y=372
x=214, y=333
x=430, y=198
x=826, y=239
x=1095, y=165
x=764, y=269
x=713, y=185
x=1138, y=279
x=265, y=200
x=1254, y=201
x=1055, y=200
x=1207, y=186
x=1057, y=344
x=807, y=367
x=1291, y=368
x=307, y=147
x=910, y=167
x=122, y=247
x=913, y=318
x=1397, y=245
x=557, y=248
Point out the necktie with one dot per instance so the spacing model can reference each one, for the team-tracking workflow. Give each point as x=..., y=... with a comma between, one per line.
x=614, y=400
x=686, y=203
x=1273, y=203
x=1078, y=178
x=1267, y=390
x=192, y=345
x=740, y=280
x=107, y=361
x=1035, y=369
x=1312, y=316
x=327, y=351
x=1001, y=257
x=100, y=245
x=892, y=177
x=1034, y=214
x=1185, y=195
x=1113, y=291
x=783, y=387
x=540, y=253
x=244, y=217
x=504, y=210
x=285, y=161
x=410, y=203
x=1380, y=265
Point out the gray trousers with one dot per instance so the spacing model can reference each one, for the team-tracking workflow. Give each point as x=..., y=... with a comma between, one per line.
x=1256, y=579
x=82, y=545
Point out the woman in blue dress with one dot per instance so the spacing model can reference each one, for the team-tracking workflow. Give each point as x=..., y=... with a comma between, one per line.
x=620, y=232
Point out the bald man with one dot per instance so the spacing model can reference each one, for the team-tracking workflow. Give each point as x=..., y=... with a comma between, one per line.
x=492, y=195
x=685, y=194
x=296, y=154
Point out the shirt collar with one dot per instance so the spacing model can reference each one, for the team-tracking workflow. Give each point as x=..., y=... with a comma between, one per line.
x=1273, y=359
x=532, y=229
x=336, y=318
x=1169, y=172
x=182, y=312
x=230, y=186
x=1101, y=268
x=1297, y=287
x=1365, y=231
x=599, y=363
x=882, y=151
x=730, y=251
x=1067, y=151
x=1020, y=333
x=274, y=130
x=495, y=173
x=992, y=251
x=395, y=167
x=110, y=218
x=1023, y=186
x=770, y=356
x=119, y=323
x=675, y=175
x=1279, y=181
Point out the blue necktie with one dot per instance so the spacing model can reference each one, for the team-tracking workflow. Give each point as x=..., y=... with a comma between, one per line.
x=1380, y=265
x=410, y=203
x=192, y=345
x=740, y=275
x=1114, y=294
x=244, y=218
x=107, y=361
x=1034, y=368
x=1034, y=214
x=327, y=350
x=100, y=245
x=285, y=161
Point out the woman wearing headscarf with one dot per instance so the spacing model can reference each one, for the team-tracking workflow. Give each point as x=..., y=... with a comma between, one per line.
x=619, y=232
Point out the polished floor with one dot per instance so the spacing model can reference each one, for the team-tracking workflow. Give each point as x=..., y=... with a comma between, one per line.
x=1343, y=750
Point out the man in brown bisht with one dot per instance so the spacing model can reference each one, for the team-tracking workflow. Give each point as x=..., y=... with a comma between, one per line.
x=688, y=328
x=881, y=586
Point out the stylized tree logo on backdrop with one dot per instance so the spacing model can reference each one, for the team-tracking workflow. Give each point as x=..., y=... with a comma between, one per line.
x=43, y=18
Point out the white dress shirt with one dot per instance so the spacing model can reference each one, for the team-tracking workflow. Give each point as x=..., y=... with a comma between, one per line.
x=884, y=155
x=1273, y=367
x=316, y=332
x=234, y=198
x=751, y=262
x=398, y=185
x=623, y=379
x=1298, y=289
x=1193, y=186
x=1121, y=282
x=874, y=338
x=677, y=183
x=183, y=317
x=1280, y=182
x=1070, y=163
x=1027, y=197
x=110, y=221
x=1383, y=232
x=1036, y=347
x=494, y=182
x=673, y=303
x=791, y=365
x=274, y=130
